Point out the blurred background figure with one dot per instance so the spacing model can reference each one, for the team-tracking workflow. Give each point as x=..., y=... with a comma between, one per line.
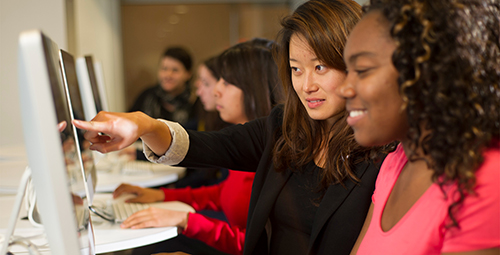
x=207, y=77
x=171, y=98
x=209, y=120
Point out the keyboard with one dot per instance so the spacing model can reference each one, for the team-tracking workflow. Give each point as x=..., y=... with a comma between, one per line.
x=117, y=210
x=122, y=211
x=141, y=167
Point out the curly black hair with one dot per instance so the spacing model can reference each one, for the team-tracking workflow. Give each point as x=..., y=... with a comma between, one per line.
x=448, y=59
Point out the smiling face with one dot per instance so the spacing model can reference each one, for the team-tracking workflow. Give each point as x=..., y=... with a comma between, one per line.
x=172, y=75
x=371, y=89
x=205, y=85
x=315, y=83
x=229, y=102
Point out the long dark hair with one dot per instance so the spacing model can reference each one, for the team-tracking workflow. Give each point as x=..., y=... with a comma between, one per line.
x=250, y=67
x=448, y=59
x=325, y=26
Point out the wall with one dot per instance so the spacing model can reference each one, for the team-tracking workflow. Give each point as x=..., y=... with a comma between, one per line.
x=17, y=16
x=93, y=27
x=204, y=29
x=97, y=31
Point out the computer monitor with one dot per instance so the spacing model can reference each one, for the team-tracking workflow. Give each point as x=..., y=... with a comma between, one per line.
x=50, y=146
x=77, y=111
x=99, y=75
x=92, y=91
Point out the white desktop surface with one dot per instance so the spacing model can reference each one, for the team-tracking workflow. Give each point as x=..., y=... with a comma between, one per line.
x=13, y=161
x=109, y=237
x=109, y=181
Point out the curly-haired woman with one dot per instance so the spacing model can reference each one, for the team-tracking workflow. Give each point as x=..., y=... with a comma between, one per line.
x=426, y=73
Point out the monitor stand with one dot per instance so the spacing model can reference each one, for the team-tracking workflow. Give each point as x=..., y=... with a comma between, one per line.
x=15, y=214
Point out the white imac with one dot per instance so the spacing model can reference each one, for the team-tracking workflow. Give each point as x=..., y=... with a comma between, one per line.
x=77, y=111
x=92, y=91
x=50, y=146
x=99, y=75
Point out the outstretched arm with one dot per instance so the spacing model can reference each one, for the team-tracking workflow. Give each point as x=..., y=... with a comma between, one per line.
x=110, y=131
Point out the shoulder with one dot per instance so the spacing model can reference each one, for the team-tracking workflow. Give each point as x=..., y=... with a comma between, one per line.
x=150, y=90
x=491, y=162
x=391, y=166
x=147, y=93
x=488, y=174
x=275, y=118
x=277, y=112
x=478, y=217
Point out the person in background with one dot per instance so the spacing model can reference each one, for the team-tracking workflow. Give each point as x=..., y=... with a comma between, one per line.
x=426, y=73
x=209, y=120
x=171, y=98
x=207, y=77
x=313, y=182
x=237, y=94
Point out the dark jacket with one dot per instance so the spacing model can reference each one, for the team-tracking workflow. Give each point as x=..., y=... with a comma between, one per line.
x=153, y=101
x=248, y=147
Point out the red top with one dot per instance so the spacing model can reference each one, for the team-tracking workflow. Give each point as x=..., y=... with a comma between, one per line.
x=232, y=196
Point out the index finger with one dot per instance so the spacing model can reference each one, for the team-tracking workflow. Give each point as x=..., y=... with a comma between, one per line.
x=95, y=126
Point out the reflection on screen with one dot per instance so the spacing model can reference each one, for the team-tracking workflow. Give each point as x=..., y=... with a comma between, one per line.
x=75, y=180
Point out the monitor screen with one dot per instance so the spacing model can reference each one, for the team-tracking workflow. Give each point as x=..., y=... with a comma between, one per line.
x=74, y=98
x=89, y=90
x=51, y=147
x=89, y=87
x=99, y=74
x=93, y=82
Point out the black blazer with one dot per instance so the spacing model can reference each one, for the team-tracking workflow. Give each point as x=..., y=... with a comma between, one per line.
x=248, y=147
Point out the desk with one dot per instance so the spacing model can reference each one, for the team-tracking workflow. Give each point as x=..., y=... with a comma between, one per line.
x=109, y=237
x=13, y=161
x=109, y=181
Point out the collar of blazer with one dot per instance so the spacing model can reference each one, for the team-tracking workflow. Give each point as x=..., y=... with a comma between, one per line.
x=334, y=197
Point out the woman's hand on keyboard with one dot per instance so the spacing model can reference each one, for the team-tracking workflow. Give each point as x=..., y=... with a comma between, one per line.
x=143, y=195
x=156, y=217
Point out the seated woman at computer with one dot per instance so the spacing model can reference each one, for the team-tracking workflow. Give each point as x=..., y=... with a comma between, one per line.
x=313, y=182
x=172, y=98
x=240, y=96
